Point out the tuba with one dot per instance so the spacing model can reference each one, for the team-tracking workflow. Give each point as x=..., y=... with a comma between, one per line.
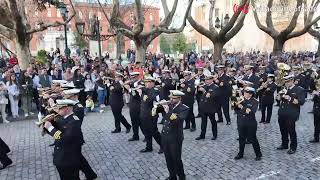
x=283, y=69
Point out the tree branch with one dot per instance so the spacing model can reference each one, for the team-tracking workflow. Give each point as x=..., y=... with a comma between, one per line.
x=7, y=32
x=44, y=26
x=304, y=30
x=138, y=27
x=293, y=22
x=236, y=28
x=5, y=48
x=211, y=26
x=269, y=21
x=168, y=14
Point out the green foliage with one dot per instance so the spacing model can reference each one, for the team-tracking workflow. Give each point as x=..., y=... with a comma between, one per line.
x=41, y=57
x=165, y=47
x=80, y=41
x=180, y=44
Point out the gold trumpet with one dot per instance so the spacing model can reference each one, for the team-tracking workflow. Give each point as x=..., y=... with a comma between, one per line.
x=158, y=105
x=51, y=117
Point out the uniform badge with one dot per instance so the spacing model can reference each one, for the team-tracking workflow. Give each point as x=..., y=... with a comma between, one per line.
x=145, y=97
x=133, y=93
x=173, y=117
x=76, y=118
x=208, y=95
x=80, y=105
x=188, y=89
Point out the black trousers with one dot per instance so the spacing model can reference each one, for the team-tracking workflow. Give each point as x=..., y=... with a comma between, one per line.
x=149, y=133
x=316, y=126
x=224, y=105
x=4, y=159
x=288, y=128
x=172, y=152
x=68, y=172
x=198, y=98
x=119, y=118
x=190, y=118
x=135, y=121
x=269, y=108
x=86, y=168
x=247, y=130
x=204, y=120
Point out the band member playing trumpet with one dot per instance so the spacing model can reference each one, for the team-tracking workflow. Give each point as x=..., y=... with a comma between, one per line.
x=250, y=76
x=149, y=95
x=167, y=84
x=224, y=84
x=188, y=88
x=316, y=113
x=134, y=104
x=247, y=124
x=289, y=112
x=68, y=141
x=266, y=96
x=201, y=78
x=116, y=103
x=209, y=107
x=175, y=113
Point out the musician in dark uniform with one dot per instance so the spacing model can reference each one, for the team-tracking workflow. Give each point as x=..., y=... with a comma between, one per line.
x=316, y=115
x=247, y=124
x=172, y=134
x=4, y=159
x=266, y=96
x=250, y=76
x=289, y=112
x=263, y=76
x=209, y=107
x=134, y=104
x=201, y=78
x=78, y=111
x=299, y=77
x=149, y=95
x=188, y=88
x=68, y=141
x=167, y=84
x=116, y=103
x=223, y=82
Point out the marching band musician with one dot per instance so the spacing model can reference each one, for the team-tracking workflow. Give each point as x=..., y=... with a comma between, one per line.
x=208, y=107
x=167, y=84
x=134, y=104
x=201, y=77
x=68, y=141
x=149, y=95
x=172, y=134
x=266, y=96
x=116, y=103
x=316, y=113
x=289, y=112
x=188, y=88
x=299, y=77
x=250, y=76
x=247, y=124
x=224, y=83
x=263, y=76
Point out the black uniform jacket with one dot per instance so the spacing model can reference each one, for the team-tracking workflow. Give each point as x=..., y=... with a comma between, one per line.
x=316, y=105
x=288, y=108
x=68, y=141
x=267, y=94
x=189, y=91
x=166, y=85
x=116, y=95
x=208, y=102
x=172, y=130
x=148, y=97
x=242, y=115
x=135, y=99
x=78, y=110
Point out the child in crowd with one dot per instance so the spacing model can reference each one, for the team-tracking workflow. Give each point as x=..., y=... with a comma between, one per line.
x=90, y=105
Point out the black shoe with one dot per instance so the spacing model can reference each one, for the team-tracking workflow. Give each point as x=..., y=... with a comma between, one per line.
x=186, y=128
x=214, y=138
x=314, y=141
x=238, y=157
x=128, y=130
x=266, y=122
x=52, y=144
x=192, y=129
x=5, y=165
x=228, y=123
x=133, y=139
x=261, y=121
x=198, y=116
x=281, y=147
x=200, y=137
x=237, y=139
x=116, y=131
x=146, y=150
x=160, y=151
x=220, y=121
x=258, y=158
x=291, y=151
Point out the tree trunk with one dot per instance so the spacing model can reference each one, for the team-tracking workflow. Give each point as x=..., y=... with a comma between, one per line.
x=118, y=45
x=278, y=45
x=141, y=54
x=23, y=54
x=218, y=46
x=318, y=51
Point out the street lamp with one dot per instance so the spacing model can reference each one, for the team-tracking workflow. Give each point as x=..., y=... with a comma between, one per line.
x=95, y=32
x=224, y=21
x=64, y=12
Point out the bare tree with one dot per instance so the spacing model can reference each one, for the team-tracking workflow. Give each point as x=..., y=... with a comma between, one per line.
x=281, y=37
x=14, y=25
x=137, y=33
x=227, y=32
x=312, y=31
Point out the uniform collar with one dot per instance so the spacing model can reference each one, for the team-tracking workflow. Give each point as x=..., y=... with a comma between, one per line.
x=66, y=116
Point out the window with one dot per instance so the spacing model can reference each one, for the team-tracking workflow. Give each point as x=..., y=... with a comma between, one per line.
x=49, y=12
x=110, y=46
x=132, y=45
x=58, y=13
x=99, y=16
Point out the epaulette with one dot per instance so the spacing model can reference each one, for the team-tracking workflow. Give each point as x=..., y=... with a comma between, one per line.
x=80, y=105
x=185, y=106
x=76, y=118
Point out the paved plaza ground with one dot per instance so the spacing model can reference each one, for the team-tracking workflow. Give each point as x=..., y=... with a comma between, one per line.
x=113, y=157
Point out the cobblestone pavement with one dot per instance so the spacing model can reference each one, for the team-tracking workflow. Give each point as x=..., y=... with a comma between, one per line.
x=113, y=157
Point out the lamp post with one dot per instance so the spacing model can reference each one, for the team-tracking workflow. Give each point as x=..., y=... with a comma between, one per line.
x=95, y=32
x=64, y=12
